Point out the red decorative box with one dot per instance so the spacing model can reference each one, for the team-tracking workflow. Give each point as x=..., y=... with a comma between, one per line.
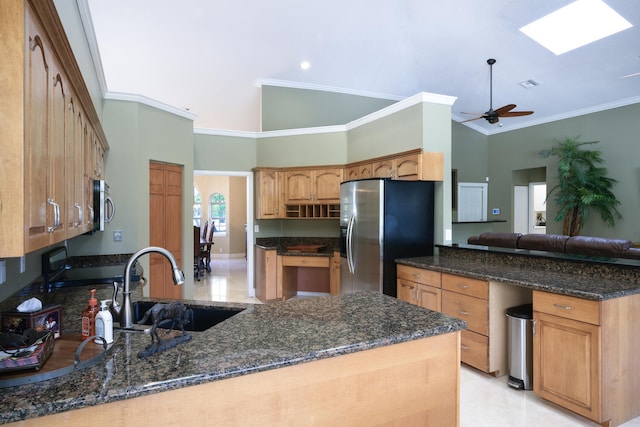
x=49, y=318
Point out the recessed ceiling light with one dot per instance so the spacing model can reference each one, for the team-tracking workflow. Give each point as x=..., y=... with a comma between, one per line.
x=575, y=25
x=305, y=65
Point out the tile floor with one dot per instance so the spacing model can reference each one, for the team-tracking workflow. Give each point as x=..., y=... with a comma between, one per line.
x=485, y=400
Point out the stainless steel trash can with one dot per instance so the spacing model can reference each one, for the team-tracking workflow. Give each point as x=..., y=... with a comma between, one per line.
x=520, y=346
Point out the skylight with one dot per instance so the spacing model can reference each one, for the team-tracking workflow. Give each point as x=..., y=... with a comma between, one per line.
x=575, y=25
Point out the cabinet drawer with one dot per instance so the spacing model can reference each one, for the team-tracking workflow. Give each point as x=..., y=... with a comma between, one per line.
x=418, y=275
x=472, y=287
x=305, y=261
x=474, y=350
x=579, y=309
x=474, y=311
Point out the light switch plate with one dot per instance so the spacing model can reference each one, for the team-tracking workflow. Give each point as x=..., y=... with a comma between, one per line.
x=117, y=235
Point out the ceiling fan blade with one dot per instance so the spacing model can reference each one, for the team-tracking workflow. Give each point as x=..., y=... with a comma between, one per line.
x=516, y=113
x=500, y=111
x=473, y=114
x=470, y=120
x=630, y=75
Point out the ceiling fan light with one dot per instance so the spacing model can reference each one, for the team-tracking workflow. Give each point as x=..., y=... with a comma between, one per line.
x=575, y=25
x=528, y=84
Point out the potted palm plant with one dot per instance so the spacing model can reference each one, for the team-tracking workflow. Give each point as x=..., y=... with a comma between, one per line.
x=583, y=186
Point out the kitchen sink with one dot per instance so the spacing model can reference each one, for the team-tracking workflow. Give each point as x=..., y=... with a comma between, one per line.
x=200, y=318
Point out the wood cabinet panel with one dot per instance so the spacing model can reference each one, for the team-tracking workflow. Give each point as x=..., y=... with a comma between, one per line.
x=419, y=275
x=465, y=285
x=474, y=311
x=305, y=261
x=568, y=307
x=430, y=297
x=265, y=274
x=267, y=193
x=567, y=363
x=474, y=350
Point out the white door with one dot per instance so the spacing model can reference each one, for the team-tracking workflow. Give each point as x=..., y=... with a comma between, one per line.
x=472, y=201
x=521, y=209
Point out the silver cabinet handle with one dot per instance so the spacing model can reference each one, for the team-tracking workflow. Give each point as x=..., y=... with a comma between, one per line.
x=533, y=324
x=563, y=307
x=56, y=215
x=464, y=347
x=463, y=286
x=464, y=313
x=416, y=275
x=80, y=219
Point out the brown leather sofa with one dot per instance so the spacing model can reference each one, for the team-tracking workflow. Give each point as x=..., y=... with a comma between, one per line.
x=578, y=245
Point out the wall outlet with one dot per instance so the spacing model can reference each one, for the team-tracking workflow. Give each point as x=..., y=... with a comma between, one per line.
x=3, y=271
x=256, y=228
x=117, y=235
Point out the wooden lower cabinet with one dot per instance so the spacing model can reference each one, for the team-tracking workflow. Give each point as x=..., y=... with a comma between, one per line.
x=418, y=286
x=585, y=355
x=482, y=304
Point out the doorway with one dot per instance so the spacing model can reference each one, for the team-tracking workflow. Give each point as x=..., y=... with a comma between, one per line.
x=246, y=227
x=530, y=208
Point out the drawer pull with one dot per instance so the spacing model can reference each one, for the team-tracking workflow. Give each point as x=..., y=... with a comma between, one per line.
x=563, y=307
x=464, y=313
x=417, y=275
x=464, y=347
x=463, y=286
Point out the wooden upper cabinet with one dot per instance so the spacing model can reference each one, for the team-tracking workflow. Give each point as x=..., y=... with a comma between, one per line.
x=267, y=193
x=43, y=94
x=412, y=165
x=312, y=186
x=326, y=184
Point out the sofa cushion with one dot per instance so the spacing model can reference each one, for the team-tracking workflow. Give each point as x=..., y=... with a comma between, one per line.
x=633, y=253
x=502, y=240
x=543, y=242
x=600, y=246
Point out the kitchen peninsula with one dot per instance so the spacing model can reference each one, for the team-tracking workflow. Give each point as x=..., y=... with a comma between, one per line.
x=586, y=312
x=352, y=359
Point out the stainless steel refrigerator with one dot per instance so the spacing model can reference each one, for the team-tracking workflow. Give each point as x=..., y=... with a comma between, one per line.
x=382, y=220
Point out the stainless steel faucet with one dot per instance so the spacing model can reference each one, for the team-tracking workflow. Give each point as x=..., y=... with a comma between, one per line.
x=124, y=312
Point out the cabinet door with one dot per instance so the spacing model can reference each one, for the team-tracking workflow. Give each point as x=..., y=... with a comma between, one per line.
x=36, y=143
x=297, y=186
x=267, y=191
x=327, y=185
x=430, y=297
x=352, y=173
x=365, y=171
x=382, y=169
x=407, y=291
x=407, y=167
x=265, y=274
x=566, y=363
x=57, y=144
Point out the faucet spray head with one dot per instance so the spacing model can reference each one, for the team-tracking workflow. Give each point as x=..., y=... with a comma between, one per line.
x=178, y=276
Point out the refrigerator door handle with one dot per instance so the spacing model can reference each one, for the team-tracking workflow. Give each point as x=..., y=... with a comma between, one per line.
x=350, y=224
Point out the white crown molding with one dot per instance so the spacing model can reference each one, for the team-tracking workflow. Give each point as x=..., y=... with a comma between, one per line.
x=323, y=88
x=118, y=96
x=225, y=132
x=401, y=105
x=92, y=41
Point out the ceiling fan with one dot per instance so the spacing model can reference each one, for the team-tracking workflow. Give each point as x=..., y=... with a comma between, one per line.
x=493, y=116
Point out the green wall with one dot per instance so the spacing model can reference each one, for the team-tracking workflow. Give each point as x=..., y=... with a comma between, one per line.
x=616, y=129
x=292, y=108
x=224, y=153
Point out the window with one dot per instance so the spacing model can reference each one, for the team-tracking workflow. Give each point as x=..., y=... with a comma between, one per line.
x=218, y=213
x=197, y=207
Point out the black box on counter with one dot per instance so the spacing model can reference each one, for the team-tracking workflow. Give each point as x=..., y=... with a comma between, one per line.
x=49, y=318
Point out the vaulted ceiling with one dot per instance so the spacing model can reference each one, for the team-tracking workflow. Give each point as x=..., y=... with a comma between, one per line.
x=208, y=56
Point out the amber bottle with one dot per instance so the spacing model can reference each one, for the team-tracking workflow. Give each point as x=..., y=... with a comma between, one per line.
x=89, y=317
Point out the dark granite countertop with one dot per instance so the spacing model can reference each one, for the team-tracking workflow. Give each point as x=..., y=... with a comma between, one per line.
x=578, y=280
x=262, y=337
x=280, y=244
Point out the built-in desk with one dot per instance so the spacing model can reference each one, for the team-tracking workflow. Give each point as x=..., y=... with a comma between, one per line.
x=304, y=273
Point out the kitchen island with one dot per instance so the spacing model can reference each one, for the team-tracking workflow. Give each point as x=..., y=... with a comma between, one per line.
x=586, y=314
x=355, y=358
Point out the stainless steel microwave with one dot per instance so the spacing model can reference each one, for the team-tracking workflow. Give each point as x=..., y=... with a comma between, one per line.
x=103, y=207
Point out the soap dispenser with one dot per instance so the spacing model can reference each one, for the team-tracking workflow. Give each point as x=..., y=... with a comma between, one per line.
x=89, y=317
x=104, y=324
